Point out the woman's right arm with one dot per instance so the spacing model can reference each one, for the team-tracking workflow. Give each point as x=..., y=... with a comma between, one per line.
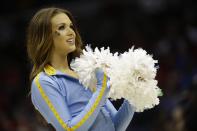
x=49, y=101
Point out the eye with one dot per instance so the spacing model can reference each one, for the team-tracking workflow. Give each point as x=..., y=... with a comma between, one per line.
x=62, y=27
x=71, y=26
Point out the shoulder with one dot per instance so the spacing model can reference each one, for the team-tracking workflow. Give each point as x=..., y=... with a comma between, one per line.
x=45, y=84
x=43, y=80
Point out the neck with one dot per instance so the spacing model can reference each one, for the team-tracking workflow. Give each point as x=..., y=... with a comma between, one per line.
x=60, y=62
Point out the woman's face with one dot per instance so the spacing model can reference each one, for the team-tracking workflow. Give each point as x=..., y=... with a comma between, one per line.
x=63, y=34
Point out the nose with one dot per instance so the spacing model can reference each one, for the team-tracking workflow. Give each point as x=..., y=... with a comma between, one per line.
x=71, y=32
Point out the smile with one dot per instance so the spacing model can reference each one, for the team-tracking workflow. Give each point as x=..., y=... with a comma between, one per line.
x=71, y=41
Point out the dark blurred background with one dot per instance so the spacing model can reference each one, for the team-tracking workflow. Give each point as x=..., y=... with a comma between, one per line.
x=165, y=28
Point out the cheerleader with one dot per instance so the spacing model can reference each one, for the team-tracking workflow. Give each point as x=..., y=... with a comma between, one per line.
x=52, y=42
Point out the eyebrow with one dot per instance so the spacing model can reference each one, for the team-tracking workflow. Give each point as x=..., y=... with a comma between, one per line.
x=63, y=24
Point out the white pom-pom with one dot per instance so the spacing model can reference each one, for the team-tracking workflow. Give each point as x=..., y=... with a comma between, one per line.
x=132, y=75
x=87, y=63
x=136, y=79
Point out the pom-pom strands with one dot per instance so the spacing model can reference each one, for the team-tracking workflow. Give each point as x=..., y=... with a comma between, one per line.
x=86, y=65
x=132, y=74
x=137, y=75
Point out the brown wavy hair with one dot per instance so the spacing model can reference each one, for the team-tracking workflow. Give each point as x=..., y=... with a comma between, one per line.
x=40, y=41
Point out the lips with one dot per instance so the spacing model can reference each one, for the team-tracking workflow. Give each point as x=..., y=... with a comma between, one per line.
x=71, y=40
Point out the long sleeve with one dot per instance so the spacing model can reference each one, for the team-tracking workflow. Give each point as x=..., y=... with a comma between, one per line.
x=50, y=102
x=123, y=116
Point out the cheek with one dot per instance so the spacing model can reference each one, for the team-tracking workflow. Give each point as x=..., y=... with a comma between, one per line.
x=58, y=43
x=58, y=37
x=62, y=33
x=59, y=34
x=62, y=46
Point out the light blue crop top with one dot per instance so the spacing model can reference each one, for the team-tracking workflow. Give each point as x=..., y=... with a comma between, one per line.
x=67, y=105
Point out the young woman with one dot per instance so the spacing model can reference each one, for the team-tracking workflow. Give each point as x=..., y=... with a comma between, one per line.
x=52, y=41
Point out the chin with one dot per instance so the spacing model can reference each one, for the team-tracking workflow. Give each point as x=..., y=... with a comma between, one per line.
x=72, y=49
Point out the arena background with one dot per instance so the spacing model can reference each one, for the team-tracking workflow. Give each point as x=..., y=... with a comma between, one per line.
x=165, y=28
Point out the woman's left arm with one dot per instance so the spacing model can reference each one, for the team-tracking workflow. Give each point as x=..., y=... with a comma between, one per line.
x=123, y=116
